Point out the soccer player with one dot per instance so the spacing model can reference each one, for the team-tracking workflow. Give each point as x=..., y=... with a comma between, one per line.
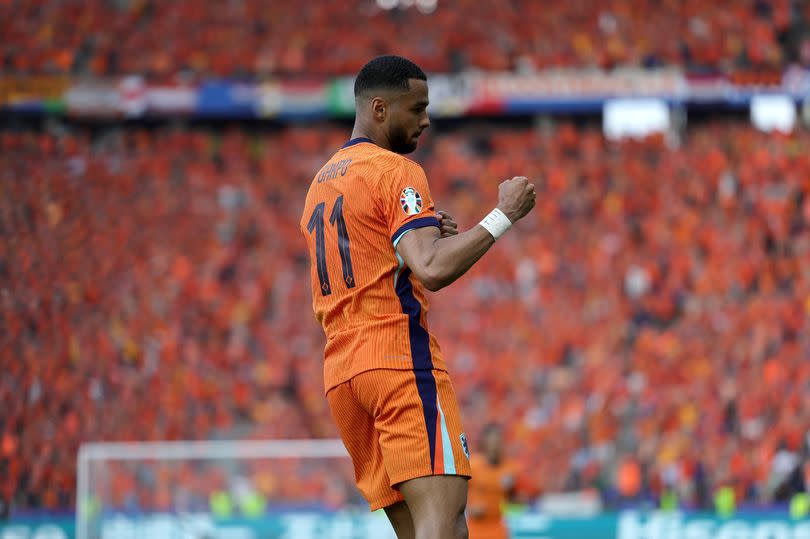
x=376, y=243
x=493, y=480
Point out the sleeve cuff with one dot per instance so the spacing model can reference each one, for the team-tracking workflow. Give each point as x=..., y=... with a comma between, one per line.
x=410, y=225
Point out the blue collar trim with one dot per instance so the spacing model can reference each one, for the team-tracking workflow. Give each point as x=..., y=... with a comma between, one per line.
x=356, y=141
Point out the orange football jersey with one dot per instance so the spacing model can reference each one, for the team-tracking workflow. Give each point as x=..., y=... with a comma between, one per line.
x=487, y=492
x=372, y=309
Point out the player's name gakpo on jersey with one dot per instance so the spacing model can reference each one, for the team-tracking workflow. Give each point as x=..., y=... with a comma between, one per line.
x=373, y=310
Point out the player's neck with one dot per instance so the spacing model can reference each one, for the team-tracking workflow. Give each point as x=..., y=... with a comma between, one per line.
x=376, y=138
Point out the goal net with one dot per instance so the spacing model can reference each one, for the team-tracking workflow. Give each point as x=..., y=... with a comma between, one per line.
x=277, y=489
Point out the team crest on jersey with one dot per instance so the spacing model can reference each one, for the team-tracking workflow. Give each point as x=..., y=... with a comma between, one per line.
x=411, y=201
x=464, y=445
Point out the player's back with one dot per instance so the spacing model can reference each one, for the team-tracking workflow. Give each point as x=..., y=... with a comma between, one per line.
x=372, y=309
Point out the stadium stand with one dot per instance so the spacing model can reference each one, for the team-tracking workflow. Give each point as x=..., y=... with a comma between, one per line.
x=646, y=330
x=248, y=38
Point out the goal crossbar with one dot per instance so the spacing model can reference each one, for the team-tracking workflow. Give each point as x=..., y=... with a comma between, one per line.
x=211, y=449
x=193, y=450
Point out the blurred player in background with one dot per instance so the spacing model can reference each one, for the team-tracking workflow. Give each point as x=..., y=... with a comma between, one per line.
x=493, y=482
x=375, y=243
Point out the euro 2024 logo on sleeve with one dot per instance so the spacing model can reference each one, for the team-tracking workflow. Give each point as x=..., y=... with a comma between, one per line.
x=411, y=201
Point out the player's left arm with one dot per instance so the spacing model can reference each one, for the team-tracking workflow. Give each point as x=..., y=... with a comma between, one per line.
x=435, y=254
x=438, y=261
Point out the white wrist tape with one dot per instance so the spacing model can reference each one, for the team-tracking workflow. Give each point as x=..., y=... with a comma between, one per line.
x=496, y=223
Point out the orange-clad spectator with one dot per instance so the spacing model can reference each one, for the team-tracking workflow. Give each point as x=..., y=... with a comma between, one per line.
x=150, y=289
x=628, y=478
x=492, y=484
x=253, y=38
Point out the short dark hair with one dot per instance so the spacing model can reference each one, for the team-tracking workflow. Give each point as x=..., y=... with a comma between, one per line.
x=386, y=73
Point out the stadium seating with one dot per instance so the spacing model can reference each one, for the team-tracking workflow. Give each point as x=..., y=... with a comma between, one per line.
x=251, y=37
x=644, y=329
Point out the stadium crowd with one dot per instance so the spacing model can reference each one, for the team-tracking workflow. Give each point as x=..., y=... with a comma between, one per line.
x=250, y=37
x=644, y=332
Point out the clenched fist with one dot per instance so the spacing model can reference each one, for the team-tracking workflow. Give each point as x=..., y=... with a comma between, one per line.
x=516, y=197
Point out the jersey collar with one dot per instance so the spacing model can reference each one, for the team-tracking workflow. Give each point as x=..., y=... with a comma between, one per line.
x=356, y=141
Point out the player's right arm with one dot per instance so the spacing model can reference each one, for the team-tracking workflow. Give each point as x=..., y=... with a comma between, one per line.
x=438, y=261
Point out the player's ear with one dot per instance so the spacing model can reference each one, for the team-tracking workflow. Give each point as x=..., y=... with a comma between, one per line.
x=378, y=109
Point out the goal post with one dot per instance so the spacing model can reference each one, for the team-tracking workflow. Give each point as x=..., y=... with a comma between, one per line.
x=230, y=489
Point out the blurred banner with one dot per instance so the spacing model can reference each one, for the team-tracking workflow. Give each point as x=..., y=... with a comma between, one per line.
x=576, y=90
x=224, y=99
x=469, y=94
x=33, y=94
x=293, y=99
x=361, y=525
x=129, y=97
x=450, y=96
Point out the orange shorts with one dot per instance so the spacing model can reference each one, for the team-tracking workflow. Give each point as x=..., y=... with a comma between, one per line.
x=398, y=425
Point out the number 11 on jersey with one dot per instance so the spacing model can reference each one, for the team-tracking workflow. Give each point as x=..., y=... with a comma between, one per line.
x=336, y=219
